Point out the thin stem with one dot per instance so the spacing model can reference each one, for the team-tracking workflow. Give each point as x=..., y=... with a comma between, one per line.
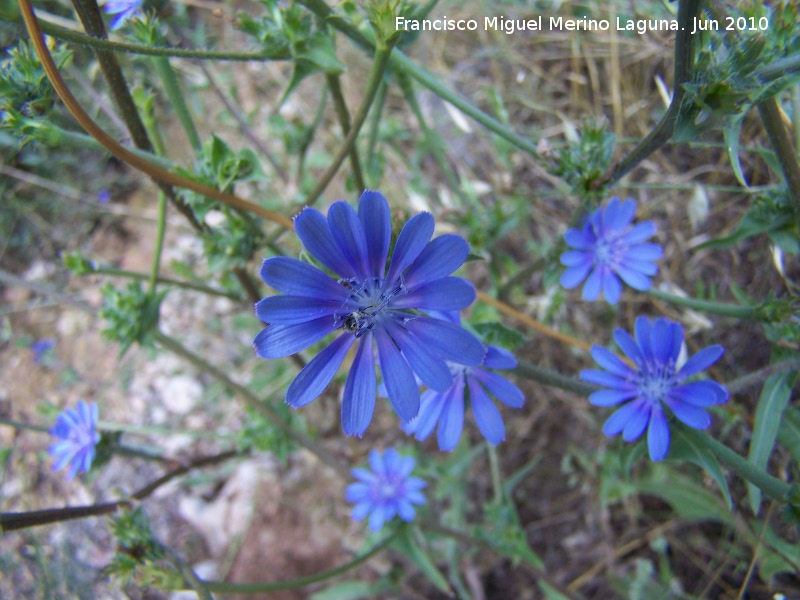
x=177, y=100
x=160, y=232
x=533, y=323
x=552, y=378
x=344, y=121
x=253, y=401
x=717, y=308
x=770, y=113
x=114, y=272
x=758, y=377
x=255, y=588
x=77, y=37
x=23, y=520
x=772, y=486
x=382, y=55
x=374, y=127
x=662, y=132
x=115, y=148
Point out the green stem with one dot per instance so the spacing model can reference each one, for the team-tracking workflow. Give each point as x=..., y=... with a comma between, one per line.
x=177, y=100
x=23, y=520
x=344, y=121
x=160, y=232
x=554, y=378
x=779, y=68
x=662, y=132
x=374, y=128
x=433, y=83
x=494, y=469
x=382, y=55
x=759, y=377
x=770, y=113
x=77, y=37
x=114, y=272
x=253, y=401
x=717, y=308
x=772, y=486
x=255, y=588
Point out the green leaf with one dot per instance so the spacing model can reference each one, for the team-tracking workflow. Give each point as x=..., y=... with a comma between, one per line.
x=749, y=226
x=691, y=501
x=352, y=590
x=732, y=132
x=497, y=334
x=407, y=545
x=684, y=448
x=784, y=558
x=773, y=400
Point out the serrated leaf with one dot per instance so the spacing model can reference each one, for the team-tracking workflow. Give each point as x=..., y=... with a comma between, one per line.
x=771, y=403
x=683, y=448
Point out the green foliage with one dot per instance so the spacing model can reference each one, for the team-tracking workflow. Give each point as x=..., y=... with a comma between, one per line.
x=583, y=162
x=24, y=87
x=262, y=435
x=131, y=314
x=496, y=334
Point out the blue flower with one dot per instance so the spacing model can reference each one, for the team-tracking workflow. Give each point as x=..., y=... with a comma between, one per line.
x=608, y=248
x=41, y=349
x=447, y=407
x=76, y=438
x=387, y=490
x=654, y=382
x=122, y=10
x=368, y=303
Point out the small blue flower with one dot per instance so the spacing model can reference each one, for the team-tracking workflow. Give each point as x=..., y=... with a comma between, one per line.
x=41, y=348
x=608, y=248
x=387, y=490
x=76, y=438
x=447, y=407
x=656, y=381
x=122, y=10
x=370, y=304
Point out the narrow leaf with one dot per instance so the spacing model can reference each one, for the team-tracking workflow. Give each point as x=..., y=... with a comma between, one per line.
x=684, y=448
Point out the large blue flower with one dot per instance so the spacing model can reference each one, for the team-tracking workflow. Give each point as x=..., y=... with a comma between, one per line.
x=387, y=490
x=76, y=438
x=656, y=381
x=368, y=303
x=447, y=407
x=121, y=11
x=608, y=248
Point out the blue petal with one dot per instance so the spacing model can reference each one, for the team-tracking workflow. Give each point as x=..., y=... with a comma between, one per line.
x=277, y=341
x=430, y=408
x=431, y=369
x=449, y=341
x=618, y=214
x=373, y=210
x=606, y=379
x=642, y=267
x=445, y=294
x=639, y=233
x=574, y=275
x=645, y=252
x=617, y=421
x=594, y=284
x=701, y=361
x=633, y=278
x=451, y=421
x=580, y=239
x=642, y=328
x=700, y=393
x=500, y=387
x=438, y=259
x=693, y=416
x=658, y=435
x=612, y=289
x=296, y=278
x=629, y=346
x=662, y=341
x=358, y=402
x=377, y=464
x=313, y=230
x=349, y=235
x=411, y=241
x=574, y=258
x=637, y=422
x=288, y=310
x=378, y=518
x=499, y=358
x=611, y=397
x=398, y=377
x=611, y=362
x=488, y=418
x=312, y=379
x=356, y=492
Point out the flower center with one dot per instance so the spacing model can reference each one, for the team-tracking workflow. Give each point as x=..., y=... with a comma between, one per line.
x=655, y=383
x=372, y=302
